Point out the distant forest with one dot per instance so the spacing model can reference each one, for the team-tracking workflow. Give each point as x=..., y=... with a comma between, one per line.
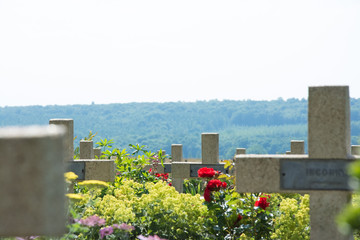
x=259, y=126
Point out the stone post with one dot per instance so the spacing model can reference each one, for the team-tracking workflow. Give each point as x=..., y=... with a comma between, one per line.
x=177, y=153
x=297, y=147
x=86, y=149
x=210, y=148
x=69, y=136
x=240, y=151
x=328, y=138
x=97, y=152
x=32, y=181
x=355, y=150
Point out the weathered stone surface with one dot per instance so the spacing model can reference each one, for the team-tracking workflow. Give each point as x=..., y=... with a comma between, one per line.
x=97, y=152
x=355, y=150
x=32, y=181
x=177, y=153
x=69, y=136
x=240, y=151
x=86, y=149
x=297, y=147
x=180, y=171
x=103, y=170
x=210, y=148
x=329, y=122
x=328, y=137
x=259, y=173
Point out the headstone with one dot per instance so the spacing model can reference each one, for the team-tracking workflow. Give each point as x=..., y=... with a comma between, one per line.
x=328, y=138
x=240, y=151
x=69, y=136
x=297, y=147
x=32, y=187
x=86, y=149
x=355, y=149
x=97, y=152
x=177, y=153
x=210, y=158
x=210, y=148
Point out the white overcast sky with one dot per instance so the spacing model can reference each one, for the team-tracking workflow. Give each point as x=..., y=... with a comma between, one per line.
x=114, y=51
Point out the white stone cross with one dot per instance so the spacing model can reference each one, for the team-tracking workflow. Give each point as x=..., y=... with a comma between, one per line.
x=328, y=138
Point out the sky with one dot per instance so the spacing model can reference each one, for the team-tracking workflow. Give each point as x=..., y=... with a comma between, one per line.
x=116, y=51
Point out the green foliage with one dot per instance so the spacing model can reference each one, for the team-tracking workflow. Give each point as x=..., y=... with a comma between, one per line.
x=258, y=126
x=349, y=219
x=104, y=144
x=292, y=220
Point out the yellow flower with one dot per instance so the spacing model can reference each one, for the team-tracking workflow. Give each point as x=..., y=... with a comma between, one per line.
x=70, y=176
x=76, y=197
x=93, y=183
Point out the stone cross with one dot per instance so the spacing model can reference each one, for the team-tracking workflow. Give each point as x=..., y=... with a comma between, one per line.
x=328, y=139
x=68, y=124
x=32, y=186
x=86, y=149
x=210, y=158
x=86, y=168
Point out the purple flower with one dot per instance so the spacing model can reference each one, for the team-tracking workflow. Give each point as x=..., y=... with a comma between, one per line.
x=92, y=221
x=27, y=238
x=124, y=226
x=106, y=231
x=155, y=237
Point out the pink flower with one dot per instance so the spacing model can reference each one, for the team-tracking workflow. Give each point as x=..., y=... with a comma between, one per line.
x=155, y=237
x=106, y=231
x=92, y=221
x=124, y=226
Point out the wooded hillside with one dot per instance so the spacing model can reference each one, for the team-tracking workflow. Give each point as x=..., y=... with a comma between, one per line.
x=258, y=126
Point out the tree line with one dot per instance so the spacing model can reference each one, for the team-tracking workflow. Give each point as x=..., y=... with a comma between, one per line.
x=262, y=127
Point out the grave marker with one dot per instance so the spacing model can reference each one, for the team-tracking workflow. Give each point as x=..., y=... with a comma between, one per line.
x=328, y=142
x=68, y=124
x=86, y=149
x=32, y=186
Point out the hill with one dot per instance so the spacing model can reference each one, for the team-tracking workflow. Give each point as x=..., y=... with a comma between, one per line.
x=258, y=126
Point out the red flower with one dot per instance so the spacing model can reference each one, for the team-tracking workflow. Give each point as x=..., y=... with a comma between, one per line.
x=216, y=184
x=207, y=194
x=237, y=221
x=262, y=203
x=206, y=172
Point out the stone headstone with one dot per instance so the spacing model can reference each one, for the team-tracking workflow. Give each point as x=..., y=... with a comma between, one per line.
x=297, y=147
x=97, y=152
x=328, y=138
x=177, y=153
x=210, y=148
x=86, y=149
x=355, y=149
x=68, y=124
x=32, y=181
